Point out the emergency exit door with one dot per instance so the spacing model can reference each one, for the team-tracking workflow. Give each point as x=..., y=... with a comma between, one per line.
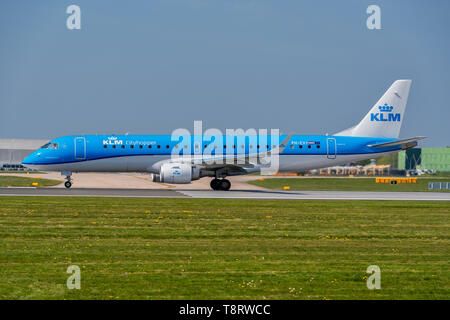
x=80, y=148
x=331, y=148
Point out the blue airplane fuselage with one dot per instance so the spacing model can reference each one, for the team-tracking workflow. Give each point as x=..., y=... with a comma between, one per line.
x=80, y=149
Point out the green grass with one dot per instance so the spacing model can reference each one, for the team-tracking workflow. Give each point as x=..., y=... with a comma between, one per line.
x=344, y=184
x=21, y=172
x=222, y=249
x=11, y=181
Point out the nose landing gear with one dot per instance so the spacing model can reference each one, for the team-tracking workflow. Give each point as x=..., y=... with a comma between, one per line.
x=220, y=184
x=68, y=175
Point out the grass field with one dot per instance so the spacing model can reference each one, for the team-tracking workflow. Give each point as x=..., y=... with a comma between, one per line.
x=219, y=249
x=344, y=184
x=20, y=172
x=11, y=181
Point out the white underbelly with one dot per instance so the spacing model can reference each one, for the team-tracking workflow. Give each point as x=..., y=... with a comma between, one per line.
x=117, y=164
x=145, y=163
x=307, y=162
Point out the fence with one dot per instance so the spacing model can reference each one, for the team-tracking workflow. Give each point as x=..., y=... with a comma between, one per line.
x=438, y=185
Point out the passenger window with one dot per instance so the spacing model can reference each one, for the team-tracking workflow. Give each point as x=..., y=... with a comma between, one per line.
x=167, y=146
x=123, y=146
x=300, y=146
x=309, y=147
x=140, y=147
x=292, y=146
x=149, y=146
x=105, y=146
x=159, y=147
x=132, y=146
x=318, y=146
x=114, y=146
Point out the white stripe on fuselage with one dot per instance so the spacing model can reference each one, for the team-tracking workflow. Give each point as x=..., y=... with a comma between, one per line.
x=149, y=163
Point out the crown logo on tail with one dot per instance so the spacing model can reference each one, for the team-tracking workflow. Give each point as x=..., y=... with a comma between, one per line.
x=386, y=108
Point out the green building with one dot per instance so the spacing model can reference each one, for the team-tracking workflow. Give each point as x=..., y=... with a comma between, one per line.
x=425, y=159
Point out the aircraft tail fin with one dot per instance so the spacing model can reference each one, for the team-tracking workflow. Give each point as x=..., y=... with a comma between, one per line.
x=386, y=116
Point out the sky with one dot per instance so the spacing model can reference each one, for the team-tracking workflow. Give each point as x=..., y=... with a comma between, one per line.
x=150, y=67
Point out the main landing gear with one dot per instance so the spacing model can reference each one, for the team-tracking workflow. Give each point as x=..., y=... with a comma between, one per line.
x=68, y=175
x=220, y=184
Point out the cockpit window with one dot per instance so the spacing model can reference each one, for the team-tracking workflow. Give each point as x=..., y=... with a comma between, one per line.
x=50, y=146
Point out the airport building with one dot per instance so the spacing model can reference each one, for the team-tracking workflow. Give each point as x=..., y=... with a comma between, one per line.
x=425, y=159
x=13, y=151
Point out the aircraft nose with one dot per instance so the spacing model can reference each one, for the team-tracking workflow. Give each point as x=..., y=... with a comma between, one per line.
x=31, y=159
x=27, y=160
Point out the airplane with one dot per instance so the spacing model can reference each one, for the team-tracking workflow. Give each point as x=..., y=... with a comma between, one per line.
x=221, y=156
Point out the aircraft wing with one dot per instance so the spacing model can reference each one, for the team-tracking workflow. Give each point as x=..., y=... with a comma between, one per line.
x=405, y=143
x=238, y=164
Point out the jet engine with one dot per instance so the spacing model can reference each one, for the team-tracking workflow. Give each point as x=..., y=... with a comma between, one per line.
x=177, y=173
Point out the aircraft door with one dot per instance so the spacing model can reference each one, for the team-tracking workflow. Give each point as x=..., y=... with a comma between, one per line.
x=331, y=148
x=80, y=148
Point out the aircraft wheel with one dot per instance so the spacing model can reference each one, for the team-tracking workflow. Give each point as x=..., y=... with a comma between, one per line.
x=215, y=184
x=68, y=184
x=225, y=184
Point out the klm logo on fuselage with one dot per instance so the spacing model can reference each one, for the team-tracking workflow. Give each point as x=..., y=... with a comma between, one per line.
x=385, y=114
x=112, y=141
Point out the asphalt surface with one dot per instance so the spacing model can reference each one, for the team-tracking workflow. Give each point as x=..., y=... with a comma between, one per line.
x=233, y=194
x=91, y=192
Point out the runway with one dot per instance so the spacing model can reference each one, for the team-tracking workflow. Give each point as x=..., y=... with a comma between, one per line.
x=233, y=194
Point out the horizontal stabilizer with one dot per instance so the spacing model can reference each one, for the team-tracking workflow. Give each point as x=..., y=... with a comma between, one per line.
x=405, y=143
